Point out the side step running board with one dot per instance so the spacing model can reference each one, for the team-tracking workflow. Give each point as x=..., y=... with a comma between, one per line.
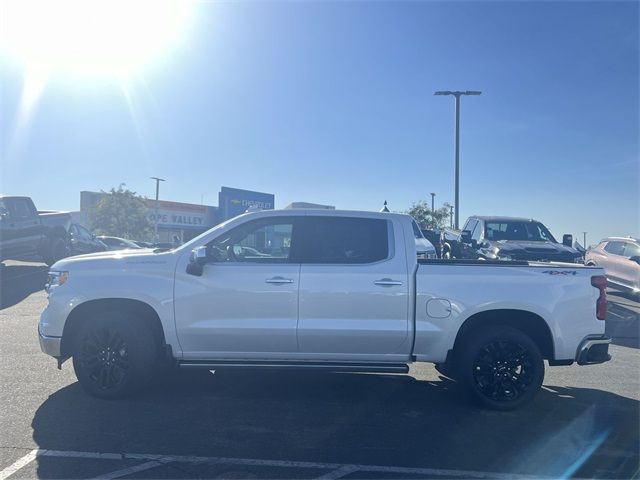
x=326, y=366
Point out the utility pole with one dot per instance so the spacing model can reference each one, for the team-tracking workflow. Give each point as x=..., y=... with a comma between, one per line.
x=451, y=216
x=457, y=94
x=158, y=180
x=433, y=195
x=584, y=240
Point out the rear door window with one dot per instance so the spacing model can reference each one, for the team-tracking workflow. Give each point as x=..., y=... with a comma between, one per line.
x=342, y=240
x=631, y=250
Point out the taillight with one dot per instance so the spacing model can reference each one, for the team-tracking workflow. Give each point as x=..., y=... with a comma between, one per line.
x=600, y=282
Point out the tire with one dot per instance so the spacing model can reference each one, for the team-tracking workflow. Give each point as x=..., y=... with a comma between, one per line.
x=512, y=363
x=58, y=249
x=114, y=355
x=446, y=255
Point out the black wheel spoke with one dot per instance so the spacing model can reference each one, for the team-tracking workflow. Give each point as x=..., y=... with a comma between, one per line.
x=105, y=357
x=502, y=370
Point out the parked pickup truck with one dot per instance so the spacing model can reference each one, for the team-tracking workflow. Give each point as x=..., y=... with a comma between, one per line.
x=321, y=290
x=27, y=234
x=507, y=238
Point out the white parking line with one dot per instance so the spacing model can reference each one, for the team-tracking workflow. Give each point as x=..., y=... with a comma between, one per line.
x=126, y=471
x=18, y=464
x=336, y=470
x=338, y=473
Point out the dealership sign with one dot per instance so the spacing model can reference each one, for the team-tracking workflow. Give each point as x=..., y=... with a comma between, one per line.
x=234, y=201
x=177, y=215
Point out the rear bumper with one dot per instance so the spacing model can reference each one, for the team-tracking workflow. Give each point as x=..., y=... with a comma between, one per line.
x=593, y=349
x=50, y=345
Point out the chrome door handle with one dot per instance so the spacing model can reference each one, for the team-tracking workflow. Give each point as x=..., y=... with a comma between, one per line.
x=279, y=280
x=387, y=282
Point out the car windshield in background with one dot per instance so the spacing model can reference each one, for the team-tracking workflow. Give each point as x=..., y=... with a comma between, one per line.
x=522, y=231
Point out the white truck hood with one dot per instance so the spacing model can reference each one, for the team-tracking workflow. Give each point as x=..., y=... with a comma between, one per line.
x=115, y=259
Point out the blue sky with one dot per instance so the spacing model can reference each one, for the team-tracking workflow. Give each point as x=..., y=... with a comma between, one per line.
x=332, y=102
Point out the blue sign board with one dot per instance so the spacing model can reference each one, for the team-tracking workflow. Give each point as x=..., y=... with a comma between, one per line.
x=234, y=201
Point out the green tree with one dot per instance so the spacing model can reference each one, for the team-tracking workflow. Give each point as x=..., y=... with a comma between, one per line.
x=428, y=219
x=121, y=213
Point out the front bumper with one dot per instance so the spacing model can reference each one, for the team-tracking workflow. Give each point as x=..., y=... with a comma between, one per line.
x=593, y=349
x=50, y=345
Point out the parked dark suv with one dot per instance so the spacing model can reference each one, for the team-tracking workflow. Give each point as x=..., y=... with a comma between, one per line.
x=83, y=241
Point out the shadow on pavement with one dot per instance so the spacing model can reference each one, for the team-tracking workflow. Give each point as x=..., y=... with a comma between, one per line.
x=347, y=418
x=17, y=282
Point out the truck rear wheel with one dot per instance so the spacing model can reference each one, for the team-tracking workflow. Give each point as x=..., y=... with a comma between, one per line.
x=500, y=366
x=58, y=249
x=114, y=355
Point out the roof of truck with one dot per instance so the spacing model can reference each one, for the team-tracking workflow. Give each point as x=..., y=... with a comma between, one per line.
x=502, y=218
x=324, y=212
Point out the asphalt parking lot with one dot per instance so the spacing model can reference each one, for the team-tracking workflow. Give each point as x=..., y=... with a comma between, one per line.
x=584, y=423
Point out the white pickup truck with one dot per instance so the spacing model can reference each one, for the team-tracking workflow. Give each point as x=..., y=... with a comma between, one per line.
x=317, y=289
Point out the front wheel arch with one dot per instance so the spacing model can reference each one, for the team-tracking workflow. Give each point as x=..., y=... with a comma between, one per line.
x=141, y=310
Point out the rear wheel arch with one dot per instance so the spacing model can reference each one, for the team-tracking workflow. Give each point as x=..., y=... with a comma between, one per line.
x=142, y=311
x=527, y=322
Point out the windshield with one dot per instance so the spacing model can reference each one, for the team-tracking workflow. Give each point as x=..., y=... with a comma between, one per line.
x=514, y=230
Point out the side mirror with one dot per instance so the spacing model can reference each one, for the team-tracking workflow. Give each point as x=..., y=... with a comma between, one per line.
x=197, y=259
x=567, y=240
x=635, y=258
x=465, y=237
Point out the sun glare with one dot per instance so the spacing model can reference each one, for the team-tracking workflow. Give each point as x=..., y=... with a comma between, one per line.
x=112, y=37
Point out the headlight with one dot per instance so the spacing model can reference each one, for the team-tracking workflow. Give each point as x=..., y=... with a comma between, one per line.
x=55, y=279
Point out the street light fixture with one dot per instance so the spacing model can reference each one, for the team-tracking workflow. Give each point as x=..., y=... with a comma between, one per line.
x=457, y=94
x=158, y=180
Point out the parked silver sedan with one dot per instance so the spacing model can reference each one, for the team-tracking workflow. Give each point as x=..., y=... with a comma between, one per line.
x=620, y=258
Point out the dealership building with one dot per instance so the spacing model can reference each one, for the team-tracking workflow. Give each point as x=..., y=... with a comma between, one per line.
x=187, y=220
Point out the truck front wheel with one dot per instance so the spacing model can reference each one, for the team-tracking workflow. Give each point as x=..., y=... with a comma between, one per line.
x=114, y=355
x=500, y=366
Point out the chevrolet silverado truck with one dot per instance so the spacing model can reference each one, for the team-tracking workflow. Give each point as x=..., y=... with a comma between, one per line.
x=321, y=290
x=507, y=238
x=28, y=234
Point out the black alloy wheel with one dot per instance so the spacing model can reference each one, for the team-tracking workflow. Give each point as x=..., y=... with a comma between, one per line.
x=105, y=357
x=503, y=370
x=115, y=354
x=500, y=366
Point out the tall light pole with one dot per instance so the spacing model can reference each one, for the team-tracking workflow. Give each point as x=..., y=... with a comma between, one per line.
x=158, y=180
x=451, y=217
x=433, y=196
x=457, y=94
x=584, y=240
